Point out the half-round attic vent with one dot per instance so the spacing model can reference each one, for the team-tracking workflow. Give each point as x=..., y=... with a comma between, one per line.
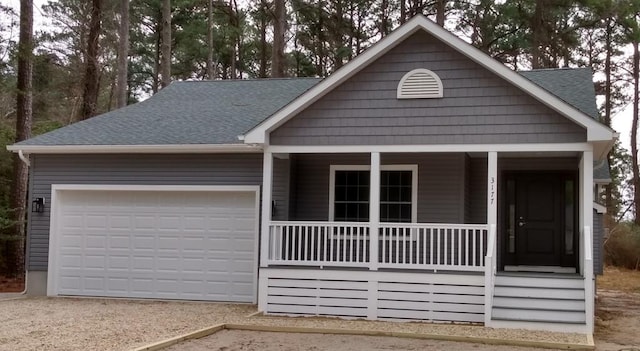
x=420, y=84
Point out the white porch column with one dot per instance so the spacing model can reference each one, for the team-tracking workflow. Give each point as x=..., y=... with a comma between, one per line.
x=374, y=210
x=267, y=180
x=492, y=188
x=586, y=202
x=492, y=245
x=586, y=234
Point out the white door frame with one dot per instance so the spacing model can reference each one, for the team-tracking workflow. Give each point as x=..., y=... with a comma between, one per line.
x=57, y=189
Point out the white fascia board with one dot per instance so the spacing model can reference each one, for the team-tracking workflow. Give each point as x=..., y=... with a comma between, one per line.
x=595, y=130
x=550, y=147
x=258, y=133
x=135, y=149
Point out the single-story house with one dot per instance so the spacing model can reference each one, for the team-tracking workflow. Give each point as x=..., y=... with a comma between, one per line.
x=421, y=181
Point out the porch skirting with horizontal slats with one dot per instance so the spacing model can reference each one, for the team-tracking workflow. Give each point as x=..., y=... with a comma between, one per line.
x=384, y=295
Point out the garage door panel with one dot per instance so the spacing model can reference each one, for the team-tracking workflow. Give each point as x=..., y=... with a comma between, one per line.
x=172, y=245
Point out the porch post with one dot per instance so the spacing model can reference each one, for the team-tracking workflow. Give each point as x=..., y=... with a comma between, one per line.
x=586, y=236
x=492, y=188
x=374, y=210
x=586, y=203
x=491, y=241
x=267, y=175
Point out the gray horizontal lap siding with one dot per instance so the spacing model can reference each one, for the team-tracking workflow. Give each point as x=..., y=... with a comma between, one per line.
x=478, y=107
x=598, y=242
x=440, y=184
x=244, y=169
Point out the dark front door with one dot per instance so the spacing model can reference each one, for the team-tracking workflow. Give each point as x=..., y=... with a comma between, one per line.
x=542, y=212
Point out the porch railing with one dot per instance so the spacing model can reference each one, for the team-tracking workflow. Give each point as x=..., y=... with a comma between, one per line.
x=430, y=246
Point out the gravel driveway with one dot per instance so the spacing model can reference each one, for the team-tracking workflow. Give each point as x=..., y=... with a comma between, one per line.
x=41, y=323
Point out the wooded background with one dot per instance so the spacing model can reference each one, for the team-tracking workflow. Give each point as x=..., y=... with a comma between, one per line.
x=98, y=55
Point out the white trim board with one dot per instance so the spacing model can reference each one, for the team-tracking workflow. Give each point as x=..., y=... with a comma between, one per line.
x=57, y=189
x=595, y=130
x=414, y=184
x=337, y=149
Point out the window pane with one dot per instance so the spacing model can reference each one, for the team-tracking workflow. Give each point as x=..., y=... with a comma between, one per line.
x=569, y=220
x=405, y=213
x=340, y=193
x=511, y=227
x=406, y=178
x=405, y=194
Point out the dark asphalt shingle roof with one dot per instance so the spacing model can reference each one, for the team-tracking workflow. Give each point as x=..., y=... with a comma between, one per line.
x=601, y=172
x=573, y=85
x=217, y=112
x=192, y=112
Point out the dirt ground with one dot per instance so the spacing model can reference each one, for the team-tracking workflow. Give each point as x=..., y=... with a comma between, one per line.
x=11, y=285
x=618, y=310
x=237, y=340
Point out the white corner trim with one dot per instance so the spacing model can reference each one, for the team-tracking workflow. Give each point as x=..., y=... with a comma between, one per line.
x=595, y=130
x=414, y=184
x=136, y=149
x=423, y=84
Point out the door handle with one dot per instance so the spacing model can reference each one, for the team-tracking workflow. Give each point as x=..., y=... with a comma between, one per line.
x=521, y=222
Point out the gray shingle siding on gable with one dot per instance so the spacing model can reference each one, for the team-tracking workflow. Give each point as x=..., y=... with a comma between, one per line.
x=478, y=107
x=244, y=169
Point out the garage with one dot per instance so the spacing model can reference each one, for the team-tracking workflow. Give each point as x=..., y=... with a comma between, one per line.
x=163, y=242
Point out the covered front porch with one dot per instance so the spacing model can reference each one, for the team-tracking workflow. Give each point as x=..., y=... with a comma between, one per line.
x=424, y=234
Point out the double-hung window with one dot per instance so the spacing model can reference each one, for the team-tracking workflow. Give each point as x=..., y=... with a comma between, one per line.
x=349, y=197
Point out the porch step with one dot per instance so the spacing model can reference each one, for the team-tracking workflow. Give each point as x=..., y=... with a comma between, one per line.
x=539, y=298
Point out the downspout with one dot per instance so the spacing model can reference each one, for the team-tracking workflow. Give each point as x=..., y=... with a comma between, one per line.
x=24, y=158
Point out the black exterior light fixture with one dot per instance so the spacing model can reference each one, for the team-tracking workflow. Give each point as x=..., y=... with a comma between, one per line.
x=37, y=205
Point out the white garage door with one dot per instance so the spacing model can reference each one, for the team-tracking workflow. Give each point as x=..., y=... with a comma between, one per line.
x=196, y=245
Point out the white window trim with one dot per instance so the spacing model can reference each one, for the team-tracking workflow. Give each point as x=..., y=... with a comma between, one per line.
x=414, y=184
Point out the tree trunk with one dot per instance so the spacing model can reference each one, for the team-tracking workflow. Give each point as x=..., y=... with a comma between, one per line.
x=13, y=255
x=277, y=54
x=210, y=73
x=123, y=56
x=263, y=39
x=440, y=10
x=634, y=133
x=537, y=27
x=165, y=57
x=91, y=81
x=384, y=18
x=403, y=11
